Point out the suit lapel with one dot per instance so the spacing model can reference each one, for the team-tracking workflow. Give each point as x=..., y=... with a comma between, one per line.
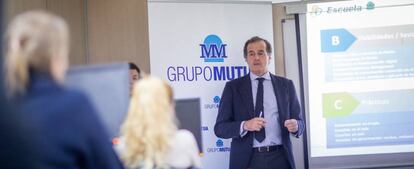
x=245, y=90
x=280, y=97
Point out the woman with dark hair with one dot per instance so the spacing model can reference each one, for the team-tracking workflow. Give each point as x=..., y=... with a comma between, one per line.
x=134, y=75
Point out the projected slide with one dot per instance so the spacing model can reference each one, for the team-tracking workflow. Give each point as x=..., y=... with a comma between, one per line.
x=361, y=77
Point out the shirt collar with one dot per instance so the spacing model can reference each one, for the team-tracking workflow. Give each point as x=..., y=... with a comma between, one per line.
x=266, y=76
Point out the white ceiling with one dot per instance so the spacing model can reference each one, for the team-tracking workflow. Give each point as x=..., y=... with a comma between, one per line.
x=273, y=1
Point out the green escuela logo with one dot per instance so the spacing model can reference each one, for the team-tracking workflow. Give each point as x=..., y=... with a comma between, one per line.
x=370, y=5
x=317, y=10
x=344, y=9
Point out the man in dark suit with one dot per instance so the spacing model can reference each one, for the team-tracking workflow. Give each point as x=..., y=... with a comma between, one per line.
x=258, y=111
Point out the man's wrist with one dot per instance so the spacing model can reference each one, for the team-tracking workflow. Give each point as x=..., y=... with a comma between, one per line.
x=242, y=130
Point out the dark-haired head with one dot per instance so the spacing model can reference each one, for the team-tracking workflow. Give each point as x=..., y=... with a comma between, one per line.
x=257, y=39
x=133, y=66
x=134, y=74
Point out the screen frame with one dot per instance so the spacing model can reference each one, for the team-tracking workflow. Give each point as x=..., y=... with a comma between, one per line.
x=389, y=160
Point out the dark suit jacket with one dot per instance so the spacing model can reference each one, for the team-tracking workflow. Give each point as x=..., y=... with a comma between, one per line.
x=236, y=105
x=64, y=128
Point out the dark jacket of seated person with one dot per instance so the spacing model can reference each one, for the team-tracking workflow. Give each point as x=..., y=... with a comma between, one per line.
x=67, y=132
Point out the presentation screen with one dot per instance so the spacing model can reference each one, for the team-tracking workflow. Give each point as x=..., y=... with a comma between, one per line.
x=360, y=83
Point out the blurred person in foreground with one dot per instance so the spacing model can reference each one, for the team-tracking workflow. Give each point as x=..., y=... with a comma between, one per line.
x=15, y=149
x=66, y=132
x=150, y=138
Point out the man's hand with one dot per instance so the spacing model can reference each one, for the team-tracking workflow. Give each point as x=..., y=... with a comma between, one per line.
x=291, y=125
x=254, y=124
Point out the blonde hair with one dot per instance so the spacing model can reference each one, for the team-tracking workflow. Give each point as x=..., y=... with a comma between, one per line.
x=33, y=41
x=149, y=125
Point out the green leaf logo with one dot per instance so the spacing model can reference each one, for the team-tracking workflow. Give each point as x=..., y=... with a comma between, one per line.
x=370, y=5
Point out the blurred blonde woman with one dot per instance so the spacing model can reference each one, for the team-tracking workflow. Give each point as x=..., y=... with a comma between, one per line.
x=150, y=138
x=65, y=130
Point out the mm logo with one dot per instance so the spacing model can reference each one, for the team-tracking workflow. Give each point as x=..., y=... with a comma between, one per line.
x=214, y=105
x=213, y=49
x=216, y=99
x=219, y=143
x=219, y=148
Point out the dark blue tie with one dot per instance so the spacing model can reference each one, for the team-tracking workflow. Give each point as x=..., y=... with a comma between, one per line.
x=259, y=109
